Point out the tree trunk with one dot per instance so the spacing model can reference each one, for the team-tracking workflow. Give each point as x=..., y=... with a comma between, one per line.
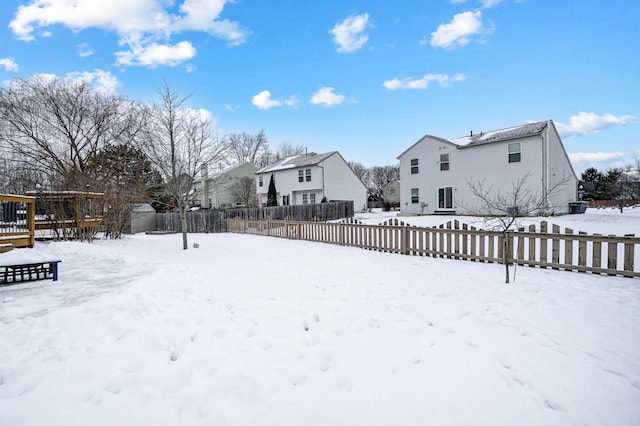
x=505, y=257
x=183, y=226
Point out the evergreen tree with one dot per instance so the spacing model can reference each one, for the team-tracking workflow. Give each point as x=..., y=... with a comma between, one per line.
x=272, y=195
x=593, y=181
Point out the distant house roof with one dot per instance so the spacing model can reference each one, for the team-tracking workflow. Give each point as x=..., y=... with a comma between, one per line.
x=482, y=138
x=217, y=173
x=296, y=161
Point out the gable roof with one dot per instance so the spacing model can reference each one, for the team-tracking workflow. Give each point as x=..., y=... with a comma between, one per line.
x=218, y=173
x=501, y=135
x=296, y=161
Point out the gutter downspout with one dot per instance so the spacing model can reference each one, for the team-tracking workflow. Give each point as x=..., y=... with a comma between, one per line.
x=322, y=167
x=545, y=168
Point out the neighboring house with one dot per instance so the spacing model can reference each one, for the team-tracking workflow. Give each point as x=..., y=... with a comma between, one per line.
x=435, y=172
x=225, y=188
x=308, y=179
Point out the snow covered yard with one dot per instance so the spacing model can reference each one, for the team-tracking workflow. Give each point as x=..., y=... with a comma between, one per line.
x=249, y=330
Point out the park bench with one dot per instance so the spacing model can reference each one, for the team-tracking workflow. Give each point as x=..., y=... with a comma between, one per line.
x=28, y=270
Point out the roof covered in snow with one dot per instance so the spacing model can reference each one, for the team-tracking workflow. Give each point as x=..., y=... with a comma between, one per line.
x=296, y=161
x=516, y=132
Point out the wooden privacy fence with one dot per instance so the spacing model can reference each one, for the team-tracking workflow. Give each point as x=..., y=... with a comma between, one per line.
x=569, y=251
x=216, y=220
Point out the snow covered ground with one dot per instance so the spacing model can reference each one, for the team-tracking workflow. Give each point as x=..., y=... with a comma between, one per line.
x=249, y=330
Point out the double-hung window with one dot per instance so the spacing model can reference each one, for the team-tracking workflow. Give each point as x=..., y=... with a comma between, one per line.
x=444, y=161
x=307, y=174
x=312, y=198
x=414, y=166
x=300, y=175
x=305, y=199
x=515, y=154
x=415, y=196
x=260, y=182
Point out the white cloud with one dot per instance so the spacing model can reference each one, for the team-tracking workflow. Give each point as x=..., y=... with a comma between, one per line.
x=103, y=81
x=325, y=96
x=263, y=100
x=486, y=4
x=292, y=101
x=457, y=33
x=422, y=83
x=594, y=157
x=153, y=55
x=350, y=34
x=144, y=25
x=9, y=64
x=589, y=122
x=85, y=50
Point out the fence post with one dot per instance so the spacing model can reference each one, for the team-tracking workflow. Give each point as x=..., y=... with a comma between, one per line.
x=628, y=254
x=612, y=258
x=405, y=240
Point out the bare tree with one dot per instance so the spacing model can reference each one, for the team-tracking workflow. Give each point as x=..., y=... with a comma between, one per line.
x=247, y=148
x=288, y=149
x=501, y=210
x=179, y=141
x=381, y=176
x=243, y=190
x=18, y=176
x=58, y=126
x=362, y=172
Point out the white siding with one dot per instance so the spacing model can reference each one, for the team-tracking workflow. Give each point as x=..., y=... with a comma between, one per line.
x=342, y=184
x=487, y=163
x=332, y=178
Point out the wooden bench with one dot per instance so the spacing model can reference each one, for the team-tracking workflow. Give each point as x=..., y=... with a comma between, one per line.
x=29, y=271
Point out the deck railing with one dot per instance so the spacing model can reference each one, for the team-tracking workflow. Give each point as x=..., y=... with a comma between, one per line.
x=17, y=225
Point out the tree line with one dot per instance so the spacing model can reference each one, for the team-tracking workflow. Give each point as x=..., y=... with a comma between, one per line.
x=63, y=135
x=622, y=184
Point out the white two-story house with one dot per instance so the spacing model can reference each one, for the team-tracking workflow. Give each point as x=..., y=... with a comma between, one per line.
x=436, y=174
x=310, y=178
x=225, y=188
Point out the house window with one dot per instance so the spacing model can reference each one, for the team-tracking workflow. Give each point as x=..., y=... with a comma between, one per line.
x=514, y=152
x=305, y=199
x=308, y=175
x=300, y=175
x=260, y=181
x=312, y=198
x=414, y=166
x=445, y=197
x=444, y=161
x=415, y=198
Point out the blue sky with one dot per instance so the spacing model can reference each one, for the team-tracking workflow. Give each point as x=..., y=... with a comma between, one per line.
x=366, y=78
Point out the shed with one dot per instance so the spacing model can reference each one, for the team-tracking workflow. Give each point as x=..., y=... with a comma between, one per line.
x=143, y=219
